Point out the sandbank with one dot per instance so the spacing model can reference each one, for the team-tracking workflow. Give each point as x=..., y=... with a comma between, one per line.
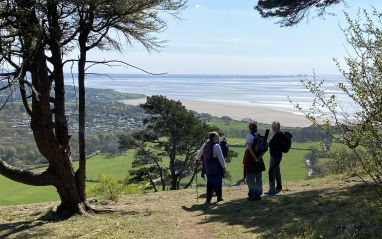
x=239, y=112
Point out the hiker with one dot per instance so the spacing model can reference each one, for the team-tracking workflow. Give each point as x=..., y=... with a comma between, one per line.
x=276, y=153
x=213, y=160
x=253, y=164
x=224, y=147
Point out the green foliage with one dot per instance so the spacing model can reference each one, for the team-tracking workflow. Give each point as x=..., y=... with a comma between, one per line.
x=360, y=130
x=343, y=161
x=108, y=188
x=142, y=174
x=169, y=142
x=292, y=12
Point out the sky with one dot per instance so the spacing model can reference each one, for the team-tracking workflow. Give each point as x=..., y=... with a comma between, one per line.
x=230, y=37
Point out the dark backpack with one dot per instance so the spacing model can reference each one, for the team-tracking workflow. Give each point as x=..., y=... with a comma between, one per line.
x=224, y=146
x=211, y=165
x=260, y=144
x=287, y=142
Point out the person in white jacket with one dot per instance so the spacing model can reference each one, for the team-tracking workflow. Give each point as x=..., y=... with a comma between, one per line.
x=215, y=167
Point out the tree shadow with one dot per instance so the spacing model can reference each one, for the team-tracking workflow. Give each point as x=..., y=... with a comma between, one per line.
x=325, y=213
x=22, y=227
x=8, y=229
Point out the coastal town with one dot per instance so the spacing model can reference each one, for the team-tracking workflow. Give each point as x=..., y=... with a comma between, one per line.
x=104, y=114
x=106, y=117
x=100, y=123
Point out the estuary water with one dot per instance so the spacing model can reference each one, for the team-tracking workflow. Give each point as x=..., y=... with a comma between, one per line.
x=259, y=91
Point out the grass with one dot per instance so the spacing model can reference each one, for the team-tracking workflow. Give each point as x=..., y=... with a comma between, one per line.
x=11, y=193
x=117, y=166
x=292, y=165
x=16, y=193
x=229, y=125
x=319, y=208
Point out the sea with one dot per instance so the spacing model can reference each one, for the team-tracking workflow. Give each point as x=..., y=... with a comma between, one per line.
x=269, y=91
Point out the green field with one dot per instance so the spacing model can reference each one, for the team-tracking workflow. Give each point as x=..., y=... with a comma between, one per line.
x=16, y=193
x=292, y=167
x=235, y=125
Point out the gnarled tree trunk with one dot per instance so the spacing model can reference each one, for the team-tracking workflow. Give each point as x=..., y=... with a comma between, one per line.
x=35, y=36
x=49, y=126
x=51, y=139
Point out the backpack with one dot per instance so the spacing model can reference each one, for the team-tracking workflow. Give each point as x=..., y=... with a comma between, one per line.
x=224, y=146
x=211, y=165
x=208, y=151
x=287, y=142
x=260, y=144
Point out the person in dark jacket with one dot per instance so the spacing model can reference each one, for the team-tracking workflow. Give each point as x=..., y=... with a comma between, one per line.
x=275, y=150
x=253, y=166
x=215, y=167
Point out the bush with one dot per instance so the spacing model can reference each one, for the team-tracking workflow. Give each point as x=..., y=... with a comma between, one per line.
x=343, y=161
x=358, y=125
x=108, y=188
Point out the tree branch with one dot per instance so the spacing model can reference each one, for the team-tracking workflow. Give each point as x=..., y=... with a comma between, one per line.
x=22, y=83
x=45, y=178
x=114, y=61
x=5, y=102
x=292, y=12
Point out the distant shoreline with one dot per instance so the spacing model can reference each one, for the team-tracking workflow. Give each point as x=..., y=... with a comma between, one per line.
x=239, y=112
x=264, y=98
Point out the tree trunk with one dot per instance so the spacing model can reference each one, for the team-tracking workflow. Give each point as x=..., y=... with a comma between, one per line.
x=82, y=40
x=68, y=188
x=160, y=169
x=178, y=182
x=60, y=174
x=58, y=155
x=174, y=181
x=187, y=164
x=153, y=184
x=192, y=178
x=81, y=173
x=50, y=132
x=162, y=179
x=172, y=156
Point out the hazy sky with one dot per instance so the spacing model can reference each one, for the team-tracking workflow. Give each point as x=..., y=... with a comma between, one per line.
x=229, y=37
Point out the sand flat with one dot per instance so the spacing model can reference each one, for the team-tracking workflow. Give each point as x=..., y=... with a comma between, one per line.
x=239, y=112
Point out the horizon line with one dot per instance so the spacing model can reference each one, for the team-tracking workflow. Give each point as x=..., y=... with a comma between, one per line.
x=95, y=74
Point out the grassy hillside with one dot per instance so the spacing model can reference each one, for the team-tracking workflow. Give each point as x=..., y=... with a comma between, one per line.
x=227, y=125
x=11, y=193
x=319, y=208
x=16, y=193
